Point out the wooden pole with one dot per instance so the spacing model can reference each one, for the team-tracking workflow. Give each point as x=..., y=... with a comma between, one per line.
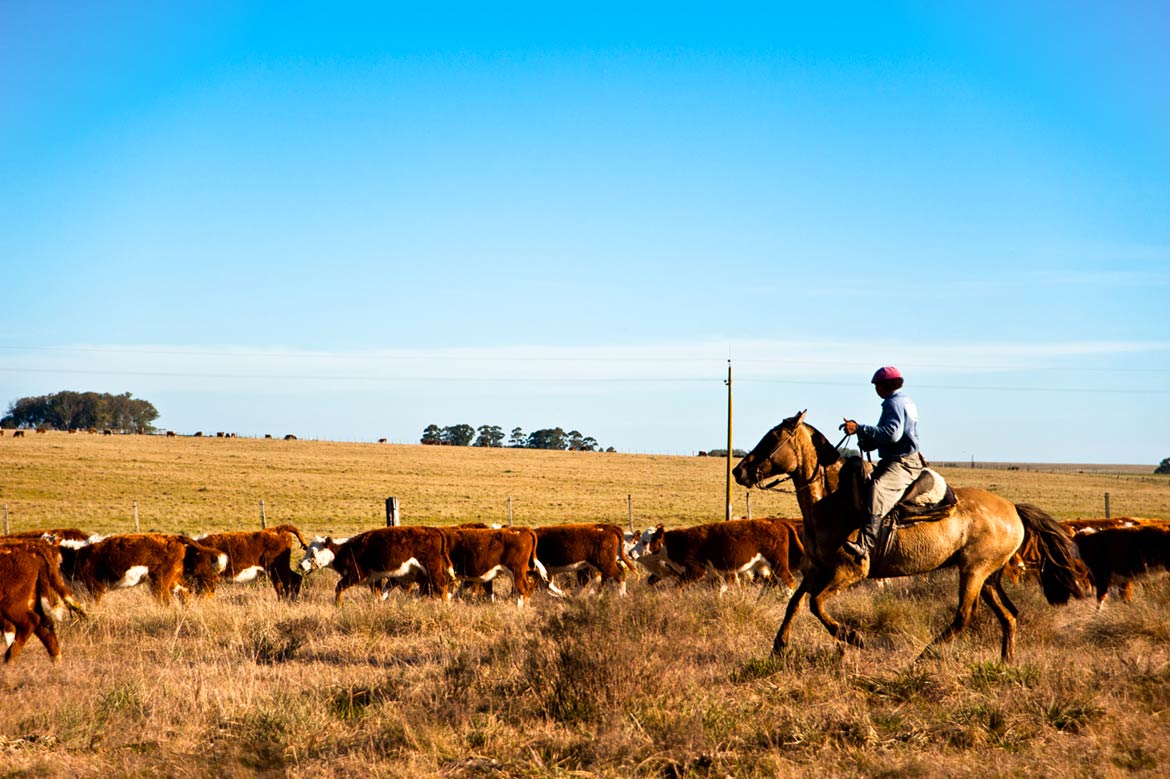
x=393, y=518
x=509, y=511
x=5, y=519
x=135, y=516
x=263, y=519
x=728, y=515
x=630, y=511
x=748, y=498
x=1106, y=505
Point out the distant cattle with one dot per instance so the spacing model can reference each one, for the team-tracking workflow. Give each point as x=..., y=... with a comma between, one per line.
x=381, y=440
x=122, y=561
x=170, y=434
x=478, y=555
x=42, y=430
x=385, y=553
x=198, y=434
x=33, y=596
x=219, y=435
x=18, y=434
x=1125, y=553
x=254, y=552
x=770, y=548
x=290, y=437
x=584, y=547
x=268, y=435
x=107, y=431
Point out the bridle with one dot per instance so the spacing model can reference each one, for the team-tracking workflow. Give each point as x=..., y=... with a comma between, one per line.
x=773, y=486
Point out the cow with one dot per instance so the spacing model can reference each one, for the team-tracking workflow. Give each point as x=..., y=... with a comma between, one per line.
x=727, y=550
x=107, y=431
x=219, y=434
x=479, y=554
x=170, y=434
x=254, y=552
x=42, y=430
x=1025, y=563
x=33, y=596
x=56, y=534
x=198, y=434
x=290, y=437
x=268, y=435
x=18, y=434
x=584, y=547
x=202, y=566
x=1124, y=552
x=385, y=553
x=127, y=560
x=381, y=440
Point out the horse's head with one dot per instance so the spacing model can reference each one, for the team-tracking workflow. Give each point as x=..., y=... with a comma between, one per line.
x=785, y=449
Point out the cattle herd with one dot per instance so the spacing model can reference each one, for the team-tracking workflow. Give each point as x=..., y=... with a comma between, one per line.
x=40, y=570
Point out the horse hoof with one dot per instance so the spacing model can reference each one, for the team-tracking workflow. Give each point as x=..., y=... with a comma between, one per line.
x=778, y=646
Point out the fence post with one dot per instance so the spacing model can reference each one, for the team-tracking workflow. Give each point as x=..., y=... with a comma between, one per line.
x=263, y=519
x=5, y=519
x=630, y=511
x=393, y=518
x=1106, y=505
x=509, y=511
x=748, y=499
x=135, y=504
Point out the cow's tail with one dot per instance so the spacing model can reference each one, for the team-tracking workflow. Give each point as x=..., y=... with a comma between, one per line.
x=1058, y=572
x=292, y=531
x=623, y=558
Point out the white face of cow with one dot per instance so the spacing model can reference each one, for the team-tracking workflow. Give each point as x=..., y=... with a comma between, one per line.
x=641, y=544
x=319, y=553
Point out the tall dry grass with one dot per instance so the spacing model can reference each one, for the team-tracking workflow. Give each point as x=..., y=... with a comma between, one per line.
x=662, y=683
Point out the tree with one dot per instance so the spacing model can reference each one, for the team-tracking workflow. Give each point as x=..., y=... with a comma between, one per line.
x=67, y=410
x=1164, y=466
x=517, y=440
x=489, y=435
x=458, y=435
x=432, y=435
x=546, y=438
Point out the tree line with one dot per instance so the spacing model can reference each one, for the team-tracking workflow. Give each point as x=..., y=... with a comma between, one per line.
x=82, y=410
x=493, y=436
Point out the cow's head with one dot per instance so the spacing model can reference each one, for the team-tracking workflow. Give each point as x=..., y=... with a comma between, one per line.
x=320, y=553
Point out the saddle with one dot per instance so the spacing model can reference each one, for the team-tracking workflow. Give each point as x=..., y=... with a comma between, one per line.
x=928, y=498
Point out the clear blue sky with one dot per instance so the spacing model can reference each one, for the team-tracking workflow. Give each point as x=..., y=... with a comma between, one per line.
x=351, y=223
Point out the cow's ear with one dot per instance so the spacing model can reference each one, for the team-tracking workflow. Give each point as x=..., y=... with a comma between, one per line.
x=827, y=454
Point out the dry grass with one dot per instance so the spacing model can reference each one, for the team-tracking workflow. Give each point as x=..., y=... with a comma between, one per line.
x=662, y=683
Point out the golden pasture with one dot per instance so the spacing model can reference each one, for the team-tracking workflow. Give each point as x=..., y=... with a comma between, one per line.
x=200, y=484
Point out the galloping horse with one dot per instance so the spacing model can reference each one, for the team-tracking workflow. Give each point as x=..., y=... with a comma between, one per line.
x=978, y=535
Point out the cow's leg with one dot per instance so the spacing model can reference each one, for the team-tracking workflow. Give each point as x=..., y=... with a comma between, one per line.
x=1125, y=590
x=970, y=585
x=1004, y=613
x=1102, y=579
x=48, y=636
x=21, y=633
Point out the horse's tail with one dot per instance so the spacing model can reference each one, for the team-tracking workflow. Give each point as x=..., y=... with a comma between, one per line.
x=1058, y=572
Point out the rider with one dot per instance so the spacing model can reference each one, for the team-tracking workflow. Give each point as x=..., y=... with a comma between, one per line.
x=896, y=438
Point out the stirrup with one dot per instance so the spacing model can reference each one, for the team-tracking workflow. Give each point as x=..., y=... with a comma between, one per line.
x=854, y=550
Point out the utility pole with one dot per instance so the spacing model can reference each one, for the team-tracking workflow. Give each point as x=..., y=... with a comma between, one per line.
x=728, y=516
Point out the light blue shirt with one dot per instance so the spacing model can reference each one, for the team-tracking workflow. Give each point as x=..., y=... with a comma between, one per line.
x=896, y=433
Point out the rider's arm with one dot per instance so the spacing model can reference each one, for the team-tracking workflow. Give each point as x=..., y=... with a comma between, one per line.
x=889, y=428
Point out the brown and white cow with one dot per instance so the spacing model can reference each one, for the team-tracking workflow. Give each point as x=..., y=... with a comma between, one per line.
x=478, y=555
x=254, y=552
x=127, y=560
x=33, y=596
x=759, y=547
x=1125, y=553
x=385, y=553
x=584, y=547
x=56, y=534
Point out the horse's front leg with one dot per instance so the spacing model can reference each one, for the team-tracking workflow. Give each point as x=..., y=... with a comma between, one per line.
x=839, y=579
x=785, y=631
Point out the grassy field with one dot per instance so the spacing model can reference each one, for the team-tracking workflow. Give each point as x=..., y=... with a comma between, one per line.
x=661, y=683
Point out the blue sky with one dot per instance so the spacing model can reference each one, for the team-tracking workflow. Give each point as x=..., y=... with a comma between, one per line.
x=352, y=223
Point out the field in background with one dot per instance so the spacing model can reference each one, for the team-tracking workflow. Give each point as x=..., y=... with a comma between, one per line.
x=662, y=684
x=201, y=484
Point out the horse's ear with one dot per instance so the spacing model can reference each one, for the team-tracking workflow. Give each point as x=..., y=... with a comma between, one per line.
x=827, y=454
x=800, y=418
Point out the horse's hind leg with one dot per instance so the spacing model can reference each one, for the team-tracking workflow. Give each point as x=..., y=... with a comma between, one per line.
x=969, y=586
x=1005, y=613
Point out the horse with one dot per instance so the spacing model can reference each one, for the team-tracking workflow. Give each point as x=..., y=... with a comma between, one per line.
x=978, y=535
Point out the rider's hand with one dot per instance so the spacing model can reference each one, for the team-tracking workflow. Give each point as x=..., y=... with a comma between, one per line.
x=849, y=426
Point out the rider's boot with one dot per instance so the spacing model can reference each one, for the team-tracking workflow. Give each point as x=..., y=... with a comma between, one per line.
x=866, y=538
